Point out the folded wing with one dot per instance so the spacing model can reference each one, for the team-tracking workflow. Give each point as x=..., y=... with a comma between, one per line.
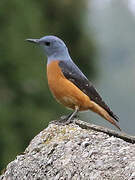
x=74, y=74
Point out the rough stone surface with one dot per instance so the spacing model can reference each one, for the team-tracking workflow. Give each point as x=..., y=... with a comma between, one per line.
x=71, y=152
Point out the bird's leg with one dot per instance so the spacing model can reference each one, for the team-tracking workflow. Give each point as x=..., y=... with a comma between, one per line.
x=73, y=115
x=68, y=116
x=68, y=119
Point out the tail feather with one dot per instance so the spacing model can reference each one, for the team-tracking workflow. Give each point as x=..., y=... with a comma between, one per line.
x=102, y=112
x=113, y=116
x=109, y=118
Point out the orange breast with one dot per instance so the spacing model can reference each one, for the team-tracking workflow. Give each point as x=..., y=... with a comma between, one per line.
x=65, y=91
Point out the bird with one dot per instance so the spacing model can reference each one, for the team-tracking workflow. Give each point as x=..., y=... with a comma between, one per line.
x=68, y=84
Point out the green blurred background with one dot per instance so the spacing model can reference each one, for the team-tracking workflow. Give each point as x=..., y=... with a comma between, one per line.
x=101, y=41
x=26, y=104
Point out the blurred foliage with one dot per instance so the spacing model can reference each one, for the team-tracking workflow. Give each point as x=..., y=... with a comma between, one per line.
x=26, y=105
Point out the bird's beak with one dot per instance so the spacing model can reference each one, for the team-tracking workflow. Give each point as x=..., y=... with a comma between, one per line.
x=33, y=40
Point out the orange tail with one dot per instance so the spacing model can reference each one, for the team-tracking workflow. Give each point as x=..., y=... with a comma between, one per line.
x=96, y=108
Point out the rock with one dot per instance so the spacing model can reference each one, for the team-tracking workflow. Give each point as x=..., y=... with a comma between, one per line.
x=75, y=152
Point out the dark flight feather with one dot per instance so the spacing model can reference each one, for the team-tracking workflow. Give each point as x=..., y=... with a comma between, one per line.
x=73, y=74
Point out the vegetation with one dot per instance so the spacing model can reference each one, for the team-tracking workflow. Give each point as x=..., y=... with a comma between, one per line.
x=26, y=105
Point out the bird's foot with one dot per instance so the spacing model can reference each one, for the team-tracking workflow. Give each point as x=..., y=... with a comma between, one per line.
x=65, y=120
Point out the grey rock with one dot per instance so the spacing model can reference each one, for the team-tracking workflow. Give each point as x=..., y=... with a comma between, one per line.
x=75, y=152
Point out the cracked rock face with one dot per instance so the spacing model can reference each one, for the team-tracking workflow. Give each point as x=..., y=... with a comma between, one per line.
x=70, y=152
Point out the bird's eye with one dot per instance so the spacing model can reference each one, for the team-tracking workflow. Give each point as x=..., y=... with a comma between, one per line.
x=47, y=43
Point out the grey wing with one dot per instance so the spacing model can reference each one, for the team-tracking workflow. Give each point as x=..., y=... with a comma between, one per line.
x=74, y=74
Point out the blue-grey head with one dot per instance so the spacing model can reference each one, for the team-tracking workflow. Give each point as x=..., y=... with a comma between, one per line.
x=54, y=47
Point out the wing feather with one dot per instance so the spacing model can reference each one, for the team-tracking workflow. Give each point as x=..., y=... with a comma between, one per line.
x=74, y=74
